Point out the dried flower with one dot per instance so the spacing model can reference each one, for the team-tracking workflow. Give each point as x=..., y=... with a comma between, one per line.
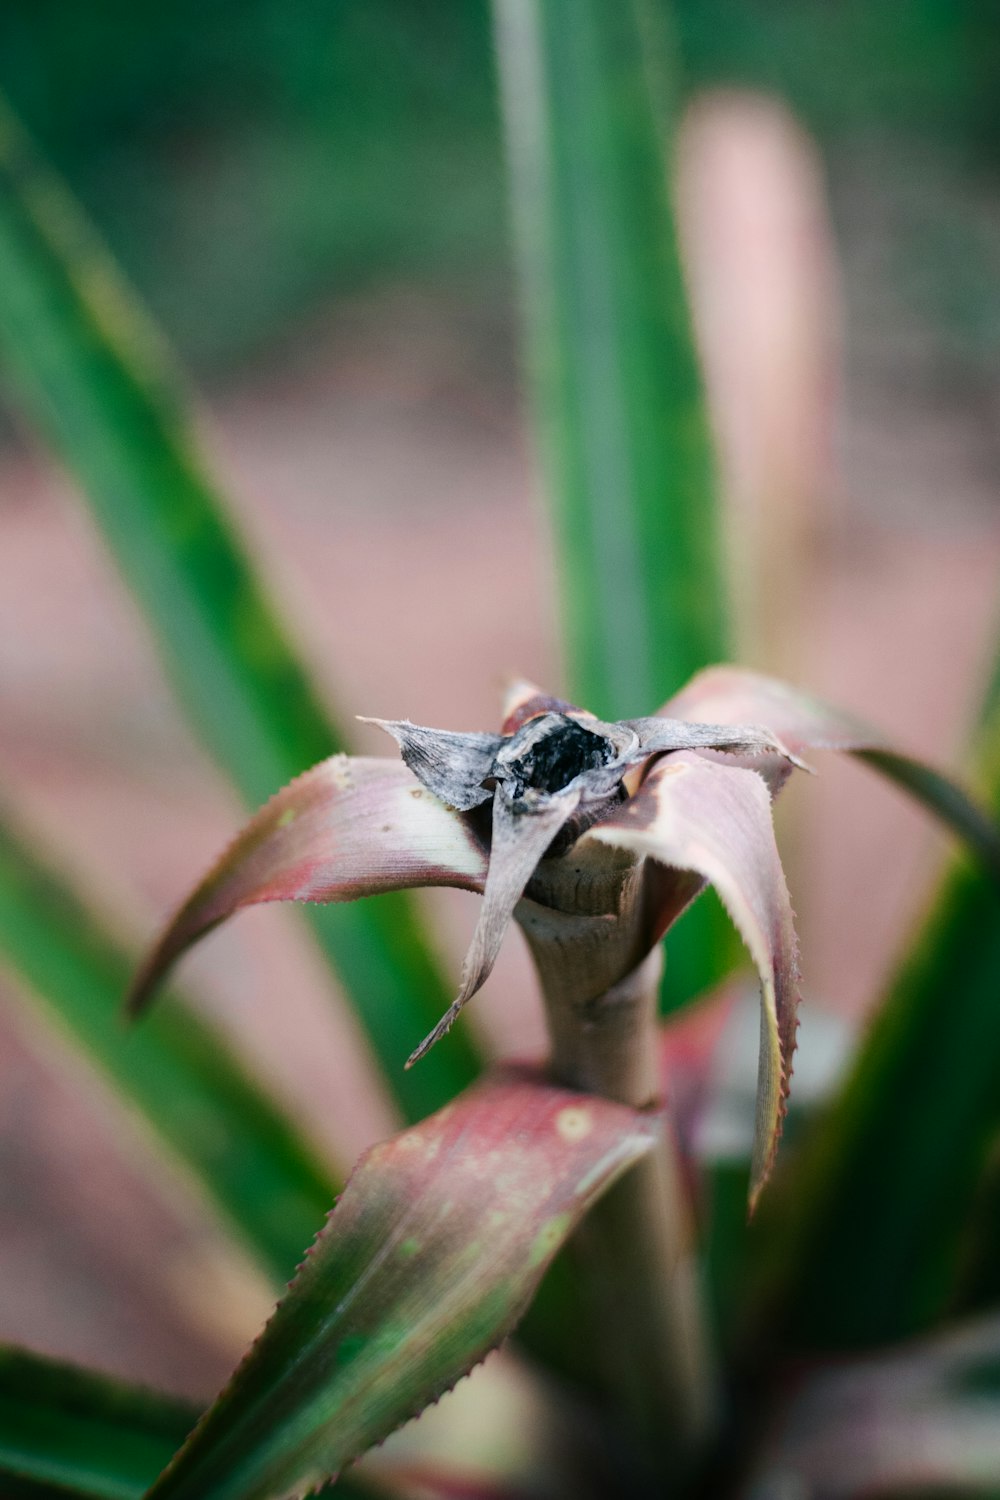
x=687, y=793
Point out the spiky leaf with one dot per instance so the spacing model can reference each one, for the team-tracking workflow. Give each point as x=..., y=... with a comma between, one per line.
x=352, y=826
x=732, y=695
x=427, y=1262
x=713, y=821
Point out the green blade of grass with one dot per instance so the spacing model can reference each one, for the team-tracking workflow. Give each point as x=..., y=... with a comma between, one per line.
x=620, y=413
x=94, y=378
x=889, y=1185
x=175, y=1071
x=619, y=409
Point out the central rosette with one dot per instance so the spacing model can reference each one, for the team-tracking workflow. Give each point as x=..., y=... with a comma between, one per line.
x=549, y=753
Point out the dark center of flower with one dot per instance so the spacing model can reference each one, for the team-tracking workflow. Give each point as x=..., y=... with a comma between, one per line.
x=550, y=752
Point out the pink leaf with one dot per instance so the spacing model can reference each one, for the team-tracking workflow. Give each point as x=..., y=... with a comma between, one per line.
x=352, y=826
x=713, y=821
x=732, y=695
x=735, y=695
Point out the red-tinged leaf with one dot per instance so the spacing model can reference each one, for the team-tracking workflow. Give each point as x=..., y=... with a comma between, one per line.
x=714, y=821
x=735, y=695
x=924, y=1419
x=352, y=826
x=426, y=1264
x=732, y=695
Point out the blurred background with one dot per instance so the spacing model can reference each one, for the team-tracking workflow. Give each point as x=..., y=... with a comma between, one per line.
x=311, y=200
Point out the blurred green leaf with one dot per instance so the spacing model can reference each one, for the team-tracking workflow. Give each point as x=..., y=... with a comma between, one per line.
x=175, y=1070
x=888, y=1185
x=93, y=375
x=428, y=1261
x=621, y=419
x=67, y=1431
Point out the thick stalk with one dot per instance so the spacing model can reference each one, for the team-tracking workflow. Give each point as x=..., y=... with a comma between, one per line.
x=585, y=926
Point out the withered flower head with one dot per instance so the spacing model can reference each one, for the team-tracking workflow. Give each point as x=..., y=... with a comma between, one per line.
x=686, y=792
x=552, y=774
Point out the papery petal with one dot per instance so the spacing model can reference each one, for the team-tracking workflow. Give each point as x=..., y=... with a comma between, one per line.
x=352, y=826
x=450, y=764
x=660, y=733
x=733, y=695
x=521, y=835
x=714, y=820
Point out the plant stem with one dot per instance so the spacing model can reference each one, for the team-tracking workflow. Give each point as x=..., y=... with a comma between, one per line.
x=584, y=926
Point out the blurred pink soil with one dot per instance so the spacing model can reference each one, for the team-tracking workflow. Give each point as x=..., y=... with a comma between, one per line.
x=382, y=470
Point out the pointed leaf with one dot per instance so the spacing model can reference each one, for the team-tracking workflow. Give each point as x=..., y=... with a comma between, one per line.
x=96, y=379
x=714, y=820
x=732, y=695
x=619, y=406
x=736, y=695
x=426, y=1264
x=885, y=1231
x=352, y=826
x=96, y=376
x=176, y=1071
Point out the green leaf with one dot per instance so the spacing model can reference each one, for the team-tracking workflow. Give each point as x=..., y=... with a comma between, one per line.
x=175, y=1070
x=622, y=422
x=95, y=378
x=66, y=1431
x=426, y=1264
x=619, y=410
x=892, y=1177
